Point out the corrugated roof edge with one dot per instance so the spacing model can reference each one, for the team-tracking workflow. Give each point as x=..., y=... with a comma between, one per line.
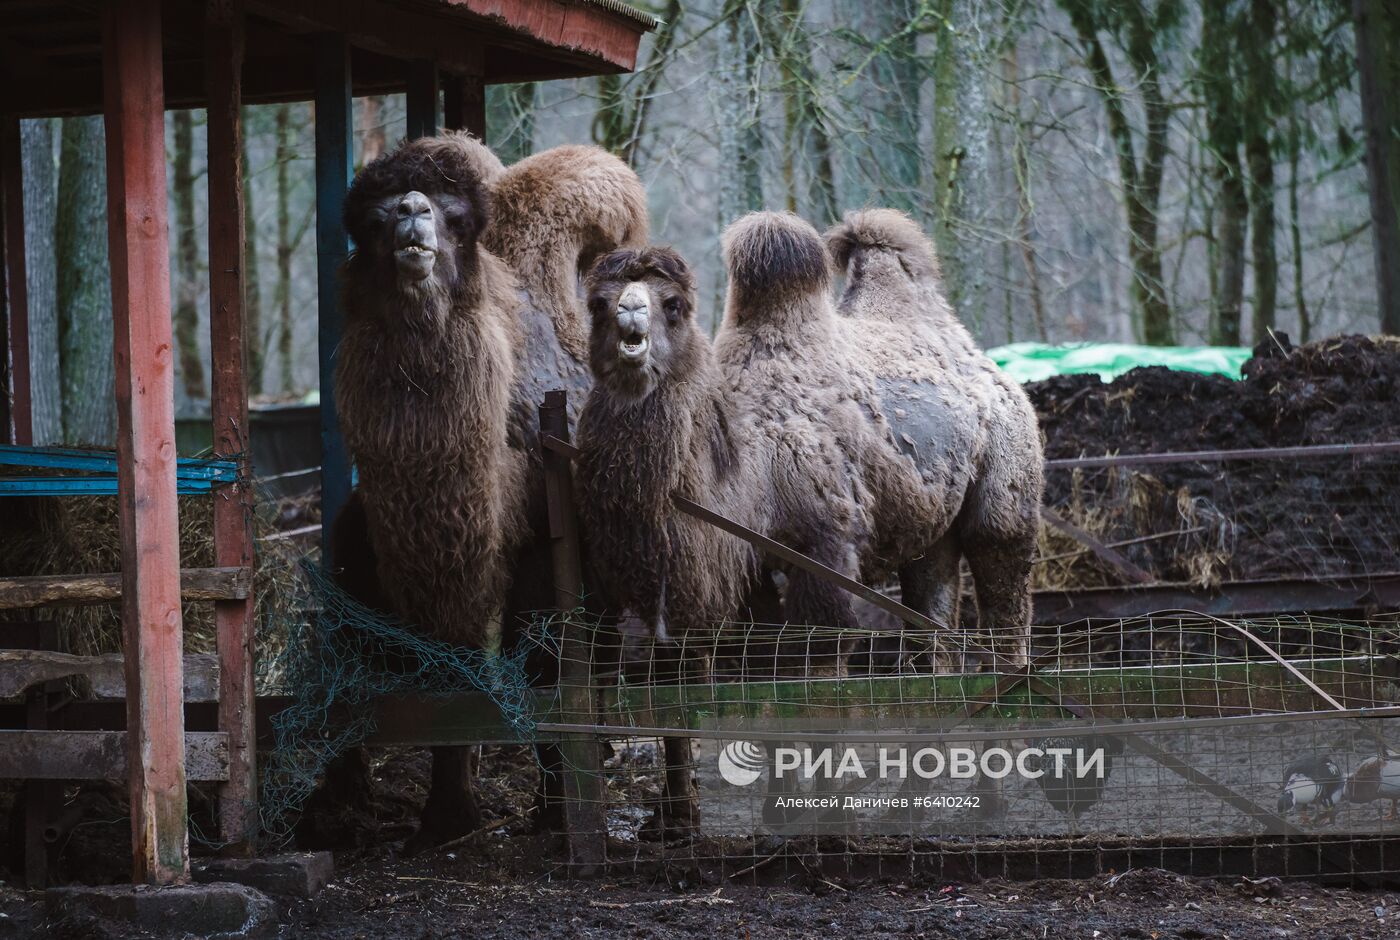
x=623, y=9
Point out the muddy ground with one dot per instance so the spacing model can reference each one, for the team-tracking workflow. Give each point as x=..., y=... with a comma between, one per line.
x=503, y=890
x=510, y=882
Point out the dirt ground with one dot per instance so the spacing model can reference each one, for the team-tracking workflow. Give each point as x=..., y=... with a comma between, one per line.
x=511, y=883
x=504, y=891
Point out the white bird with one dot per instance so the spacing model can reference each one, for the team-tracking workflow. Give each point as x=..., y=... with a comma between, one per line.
x=1313, y=782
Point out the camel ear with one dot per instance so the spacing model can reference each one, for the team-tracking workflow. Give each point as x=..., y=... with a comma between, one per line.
x=671, y=265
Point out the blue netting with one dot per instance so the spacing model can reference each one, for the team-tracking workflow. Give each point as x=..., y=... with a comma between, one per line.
x=337, y=661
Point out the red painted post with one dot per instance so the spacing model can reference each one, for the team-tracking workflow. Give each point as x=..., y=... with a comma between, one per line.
x=20, y=426
x=228, y=406
x=138, y=244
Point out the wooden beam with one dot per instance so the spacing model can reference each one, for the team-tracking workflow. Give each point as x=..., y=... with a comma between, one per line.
x=1111, y=556
x=99, y=755
x=18, y=412
x=78, y=590
x=105, y=674
x=464, y=104
x=138, y=245
x=228, y=406
x=585, y=798
x=424, y=117
x=334, y=123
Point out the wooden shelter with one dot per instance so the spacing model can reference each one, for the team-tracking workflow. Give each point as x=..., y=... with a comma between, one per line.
x=130, y=60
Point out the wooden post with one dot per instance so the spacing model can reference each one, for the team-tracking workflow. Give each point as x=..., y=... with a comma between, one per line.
x=42, y=798
x=334, y=171
x=138, y=244
x=228, y=406
x=17, y=409
x=464, y=104
x=423, y=118
x=585, y=807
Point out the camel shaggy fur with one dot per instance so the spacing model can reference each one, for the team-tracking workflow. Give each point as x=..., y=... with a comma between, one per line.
x=656, y=424
x=462, y=307
x=967, y=427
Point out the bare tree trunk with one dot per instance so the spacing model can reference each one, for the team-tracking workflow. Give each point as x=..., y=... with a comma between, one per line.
x=283, y=293
x=740, y=139
x=1020, y=175
x=1378, y=62
x=187, y=292
x=40, y=205
x=886, y=165
x=1142, y=185
x=84, y=290
x=1260, y=157
x=1295, y=229
x=961, y=151
x=510, y=120
x=1231, y=209
x=252, y=290
x=806, y=143
x=375, y=141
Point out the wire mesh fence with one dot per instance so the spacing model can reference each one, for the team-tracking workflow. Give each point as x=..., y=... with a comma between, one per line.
x=1311, y=512
x=774, y=746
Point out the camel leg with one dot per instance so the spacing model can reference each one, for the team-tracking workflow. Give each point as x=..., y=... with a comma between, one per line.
x=932, y=585
x=340, y=808
x=549, y=796
x=451, y=810
x=680, y=800
x=1001, y=574
x=813, y=601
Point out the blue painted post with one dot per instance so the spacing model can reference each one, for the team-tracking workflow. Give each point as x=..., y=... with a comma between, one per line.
x=333, y=174
x=423, y=119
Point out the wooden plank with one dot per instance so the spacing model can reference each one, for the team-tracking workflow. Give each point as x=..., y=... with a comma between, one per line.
x=76, y=590
x=138, y=245
x=334, y=123
x=99, y=755
x=228, y=406
x=1115, y=559
x=23, y=669
x=464, y=104
x=17, y=411
x=1306, y=452
x=41, y=799
x=423, y=118
x=585, y=797
x=1228, y=599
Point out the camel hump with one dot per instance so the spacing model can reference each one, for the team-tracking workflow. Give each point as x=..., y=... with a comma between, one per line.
x=473, y=154
x=565, y=206
x=770, y=253
x=885, y=231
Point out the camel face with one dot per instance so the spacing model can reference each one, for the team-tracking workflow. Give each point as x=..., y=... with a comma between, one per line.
x=414, y=216
x=643, y=332
x=416, y=237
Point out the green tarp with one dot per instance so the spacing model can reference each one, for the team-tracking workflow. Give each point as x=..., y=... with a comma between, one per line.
x=1031, y=362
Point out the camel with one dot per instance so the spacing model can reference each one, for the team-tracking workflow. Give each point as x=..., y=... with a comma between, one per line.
x=461, y=309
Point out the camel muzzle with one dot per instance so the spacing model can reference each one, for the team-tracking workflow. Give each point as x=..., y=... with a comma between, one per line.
x=634, y=324
x=415, y=237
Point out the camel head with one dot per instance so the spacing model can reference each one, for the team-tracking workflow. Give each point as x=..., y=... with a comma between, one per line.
x=414, y=216
x=642, y=304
